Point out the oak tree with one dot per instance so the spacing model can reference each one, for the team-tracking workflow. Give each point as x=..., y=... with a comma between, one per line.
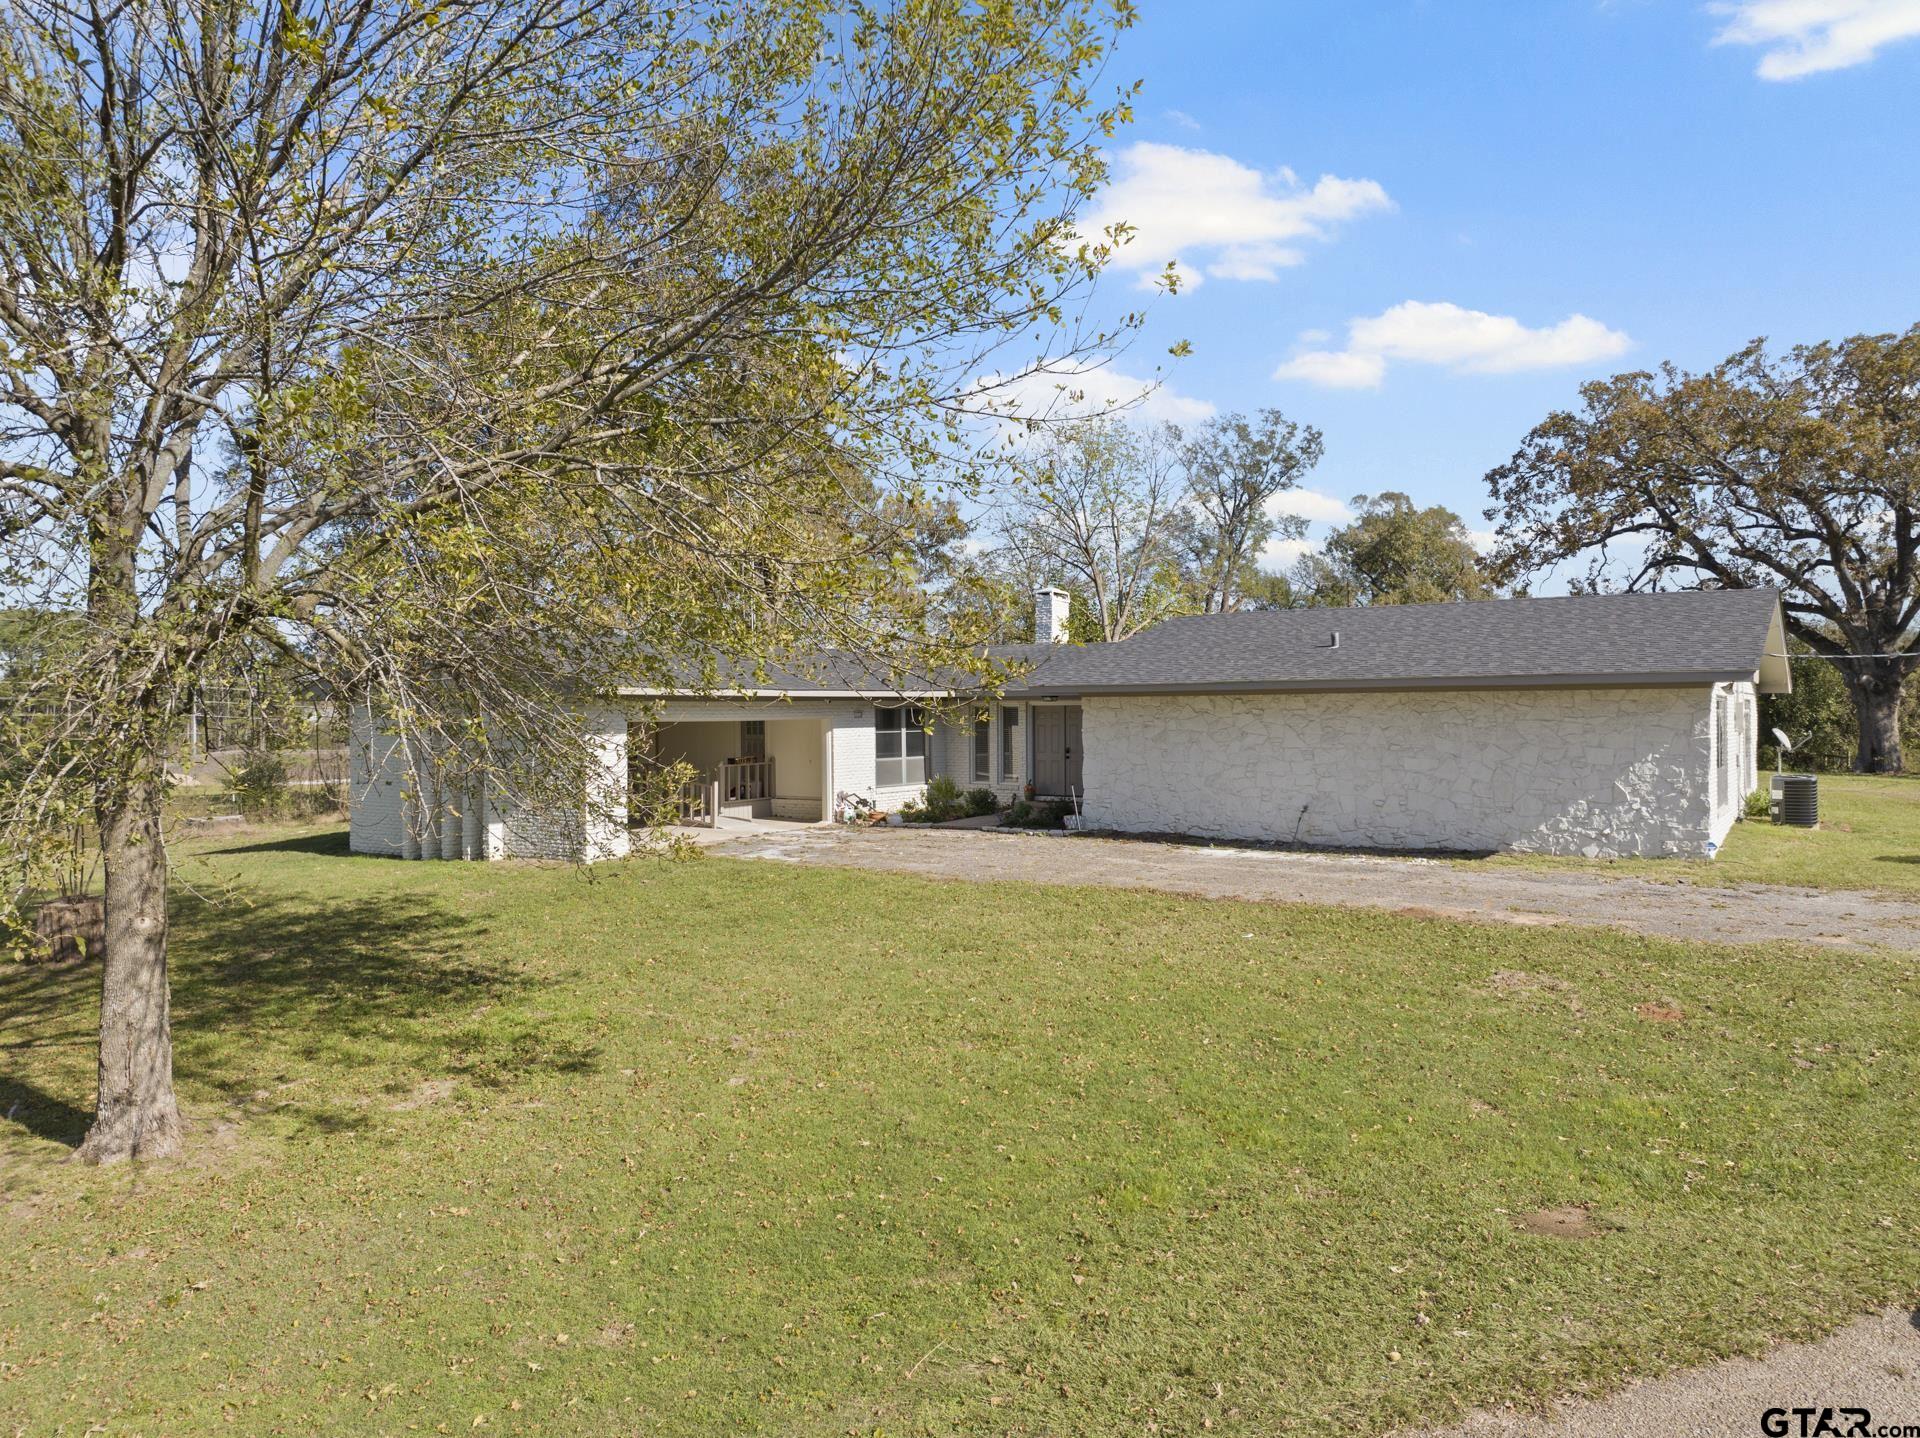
x=1394, y=552
x=1800, y=472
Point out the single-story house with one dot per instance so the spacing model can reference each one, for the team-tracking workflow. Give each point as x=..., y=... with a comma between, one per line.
x=1599, y=725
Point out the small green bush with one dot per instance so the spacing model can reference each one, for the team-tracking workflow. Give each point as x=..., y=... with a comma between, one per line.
x=941, y=803
x=317, y=800
x=980, y=801
x=260, y=784
x=1047, y=814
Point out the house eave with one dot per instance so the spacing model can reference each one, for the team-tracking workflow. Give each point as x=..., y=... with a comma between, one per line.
x=1680, y=679
x=869, y=696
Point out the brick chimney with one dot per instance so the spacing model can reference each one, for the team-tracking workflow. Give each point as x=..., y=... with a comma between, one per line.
x=1050, y=615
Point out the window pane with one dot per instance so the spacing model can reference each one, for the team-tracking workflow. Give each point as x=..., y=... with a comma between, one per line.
x=899, y=746
x=1009, y=750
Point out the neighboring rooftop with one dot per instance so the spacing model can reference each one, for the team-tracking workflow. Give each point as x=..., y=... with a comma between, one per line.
x=1693, y=636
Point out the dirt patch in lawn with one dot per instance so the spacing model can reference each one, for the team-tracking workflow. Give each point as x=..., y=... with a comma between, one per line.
x=1541, y=988
x=1570, y=1221
x=427, y=1091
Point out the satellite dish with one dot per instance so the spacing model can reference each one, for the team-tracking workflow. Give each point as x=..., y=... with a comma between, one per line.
x=1781, y=735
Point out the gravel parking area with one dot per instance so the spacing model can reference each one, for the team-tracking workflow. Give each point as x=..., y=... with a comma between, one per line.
x=1428, y=887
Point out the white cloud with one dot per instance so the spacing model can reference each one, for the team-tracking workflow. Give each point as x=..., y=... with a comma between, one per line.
x=1464, y=340
x=1335, y=369
x=1074, y=391
x=1483, y=540
x=1309, y=504
x=1282, y=554
x=1805, y=37
x=1182, y=119
x=1218, y=217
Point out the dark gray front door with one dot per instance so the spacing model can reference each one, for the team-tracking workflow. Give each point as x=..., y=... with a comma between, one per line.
x=1049, y=750
x=1056, y=748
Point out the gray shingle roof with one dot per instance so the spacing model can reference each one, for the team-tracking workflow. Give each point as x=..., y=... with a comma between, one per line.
x=1690, y=636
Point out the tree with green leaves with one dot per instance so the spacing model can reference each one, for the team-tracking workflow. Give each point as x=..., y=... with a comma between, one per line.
x=479, y=354
x=1799, y=472
x=1235, y=467
x=1394, y=553
x=1139, y=522
x=1816, y=716
x=1095, y=508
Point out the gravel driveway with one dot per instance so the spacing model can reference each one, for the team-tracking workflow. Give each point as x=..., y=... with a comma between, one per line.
x=1873, y=1363
x=1435, y=888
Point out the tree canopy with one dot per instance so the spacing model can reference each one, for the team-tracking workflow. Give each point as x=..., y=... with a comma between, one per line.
x=1235, y=467
x=478, y=353
x=1393, y=553
x=1799, y=472
x=1140, y=522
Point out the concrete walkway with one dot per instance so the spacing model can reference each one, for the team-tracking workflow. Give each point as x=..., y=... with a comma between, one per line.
x=1429, y=887
x=1872, y=1364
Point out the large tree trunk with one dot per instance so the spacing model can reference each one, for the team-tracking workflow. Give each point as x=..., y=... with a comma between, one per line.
x=135, y=1116
x=1876, y=705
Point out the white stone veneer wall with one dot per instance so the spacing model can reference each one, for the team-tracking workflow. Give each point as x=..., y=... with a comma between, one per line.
x=1554, y=771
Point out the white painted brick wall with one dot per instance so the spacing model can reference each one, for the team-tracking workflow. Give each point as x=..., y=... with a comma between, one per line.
x=376, y=780
x=396, y=808
x=956, y=755
x=1740, y=758
x=594, y=830
x=1552, y=771
x=853, y=762
x=1565, y=771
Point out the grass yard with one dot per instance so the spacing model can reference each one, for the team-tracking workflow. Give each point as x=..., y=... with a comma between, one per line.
x=715, y=1146
x=1869, y=838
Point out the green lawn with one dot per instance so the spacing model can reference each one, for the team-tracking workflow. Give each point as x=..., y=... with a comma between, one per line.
x=714, y=1146
x=1869, y=838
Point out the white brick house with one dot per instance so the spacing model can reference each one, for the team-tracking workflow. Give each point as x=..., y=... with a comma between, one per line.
x=1595, y=724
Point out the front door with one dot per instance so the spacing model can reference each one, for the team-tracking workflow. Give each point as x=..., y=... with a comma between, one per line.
x=1056, y=748
x=1049, y=750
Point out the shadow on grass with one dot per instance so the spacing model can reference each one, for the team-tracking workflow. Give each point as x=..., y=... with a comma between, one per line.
x=41, y=1113
x=329, y=841
x=325, y=1004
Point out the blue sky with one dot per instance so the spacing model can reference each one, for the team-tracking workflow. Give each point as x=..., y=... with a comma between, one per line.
x=1523, y=195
